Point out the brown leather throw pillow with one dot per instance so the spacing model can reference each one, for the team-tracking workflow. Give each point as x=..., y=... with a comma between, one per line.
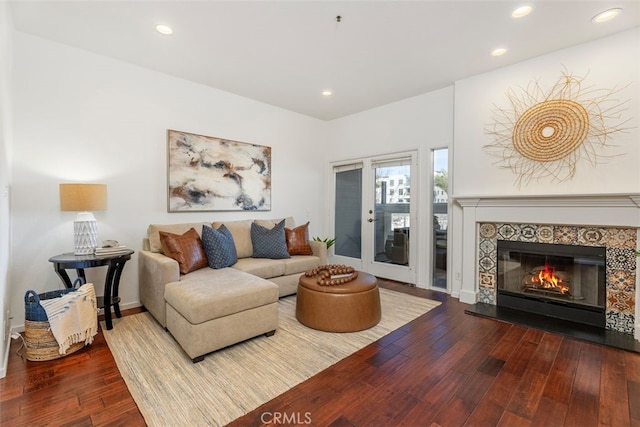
x=298, y=240
x=187, y=249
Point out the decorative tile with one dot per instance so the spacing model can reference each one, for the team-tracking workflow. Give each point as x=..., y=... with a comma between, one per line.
x=620, y=302
x=622, y=238
x=592, y=236
x=620, y=281
x=488, y=248
x=487, y=264
x=545, y=234
x=528, y=233
x=487, y=280
x=487, y=296
x=508, y=232
x=621, y=259
x=619, y=322
x=565, y=235
x=488, y=230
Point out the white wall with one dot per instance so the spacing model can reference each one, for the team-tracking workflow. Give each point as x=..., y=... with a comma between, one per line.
x=6, y=29
x=424, y=121
x=420, y=123
x=608, y=63
x=81, y=117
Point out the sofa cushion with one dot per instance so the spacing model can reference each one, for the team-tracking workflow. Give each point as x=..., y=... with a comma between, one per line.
x=219, y=246
x=269, y=243
x=298, y=240
x=299, y=264
x=208, y=294
x=261, y=267
x=185, y=248
x=241, y=232
x=154, y=229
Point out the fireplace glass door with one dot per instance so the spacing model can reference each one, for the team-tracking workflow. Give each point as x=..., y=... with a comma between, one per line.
x=563, y=281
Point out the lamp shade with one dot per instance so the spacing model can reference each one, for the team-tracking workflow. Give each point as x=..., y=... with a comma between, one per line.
x=83, y=197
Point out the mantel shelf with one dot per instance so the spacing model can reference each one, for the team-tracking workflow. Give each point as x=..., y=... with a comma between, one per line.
x=553, y=200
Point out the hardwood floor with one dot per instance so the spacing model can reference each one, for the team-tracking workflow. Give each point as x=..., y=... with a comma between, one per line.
x=446, y=368
x=82, y=389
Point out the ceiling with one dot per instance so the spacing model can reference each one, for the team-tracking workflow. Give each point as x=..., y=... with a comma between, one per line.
x=285, y=53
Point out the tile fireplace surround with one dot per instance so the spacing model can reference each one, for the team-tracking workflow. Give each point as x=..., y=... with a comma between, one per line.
x=620, y=268
x=610, y=221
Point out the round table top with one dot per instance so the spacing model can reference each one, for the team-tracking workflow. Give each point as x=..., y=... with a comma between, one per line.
x=87, y=260
x=364, y=282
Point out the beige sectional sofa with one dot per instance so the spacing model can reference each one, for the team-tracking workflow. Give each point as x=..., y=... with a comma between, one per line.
x=211, y=308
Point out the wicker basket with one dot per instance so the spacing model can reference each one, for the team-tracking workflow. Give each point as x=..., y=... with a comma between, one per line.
x=41, y=345
x=39, y=342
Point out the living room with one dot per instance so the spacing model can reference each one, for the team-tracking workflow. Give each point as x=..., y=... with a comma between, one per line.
x=70, y=115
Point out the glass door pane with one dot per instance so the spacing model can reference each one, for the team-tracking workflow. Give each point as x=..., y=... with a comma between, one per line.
x=348, y=213
x=392, y=213
x=440, y=207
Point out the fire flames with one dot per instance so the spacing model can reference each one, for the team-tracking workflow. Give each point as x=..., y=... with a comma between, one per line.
x=547, y=280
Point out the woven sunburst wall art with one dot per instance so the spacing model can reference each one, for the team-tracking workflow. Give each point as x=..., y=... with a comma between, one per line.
x=544, y=134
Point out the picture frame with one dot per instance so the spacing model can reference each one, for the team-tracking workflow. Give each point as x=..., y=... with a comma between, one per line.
x=207, y=173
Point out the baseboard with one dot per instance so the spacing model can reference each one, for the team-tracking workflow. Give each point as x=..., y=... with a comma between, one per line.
x=123, y=307
x=468, y=297
x=129, y=305
x=5, y=360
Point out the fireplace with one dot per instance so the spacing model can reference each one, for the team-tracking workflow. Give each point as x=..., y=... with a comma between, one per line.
x=607, y=221
x=561, y=281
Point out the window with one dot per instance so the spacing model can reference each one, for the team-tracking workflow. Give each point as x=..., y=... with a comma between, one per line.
x=440, y=217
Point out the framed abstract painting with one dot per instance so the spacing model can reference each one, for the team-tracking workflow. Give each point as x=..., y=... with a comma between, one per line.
x=206, y=173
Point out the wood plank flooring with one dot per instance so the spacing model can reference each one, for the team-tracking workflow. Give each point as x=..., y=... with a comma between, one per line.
x=446, y=368
x=82, y=389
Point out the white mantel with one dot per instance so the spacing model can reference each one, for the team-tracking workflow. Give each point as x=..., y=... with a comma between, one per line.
x=593, y=210
x=578, y=209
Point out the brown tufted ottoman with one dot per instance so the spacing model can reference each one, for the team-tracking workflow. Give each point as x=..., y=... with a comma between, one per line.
x=350, y=307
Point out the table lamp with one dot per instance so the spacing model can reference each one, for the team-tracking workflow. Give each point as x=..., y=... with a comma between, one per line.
x=84, y=198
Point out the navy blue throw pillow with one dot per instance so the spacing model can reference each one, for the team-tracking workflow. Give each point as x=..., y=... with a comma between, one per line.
x=269, y=243
x=219, y=246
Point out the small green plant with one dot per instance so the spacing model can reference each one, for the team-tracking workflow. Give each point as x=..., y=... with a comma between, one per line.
x=327, y=241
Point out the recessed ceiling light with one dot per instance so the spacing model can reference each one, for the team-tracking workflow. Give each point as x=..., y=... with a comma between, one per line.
x=164, y=29
x=499, y=51
x=521, y=11
x=327, y=92
x=606, y=15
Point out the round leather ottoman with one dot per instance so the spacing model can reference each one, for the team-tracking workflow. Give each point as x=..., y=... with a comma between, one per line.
x=350, y=307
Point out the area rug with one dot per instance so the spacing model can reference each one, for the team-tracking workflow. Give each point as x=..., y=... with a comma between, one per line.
x=171, y=390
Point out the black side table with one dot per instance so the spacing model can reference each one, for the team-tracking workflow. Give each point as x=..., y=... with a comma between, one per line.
x=115, y=265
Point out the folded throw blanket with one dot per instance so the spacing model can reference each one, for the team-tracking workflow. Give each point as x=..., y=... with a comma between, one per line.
x=73, y=317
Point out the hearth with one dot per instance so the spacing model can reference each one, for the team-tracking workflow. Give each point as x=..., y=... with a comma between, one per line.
x=560, y=281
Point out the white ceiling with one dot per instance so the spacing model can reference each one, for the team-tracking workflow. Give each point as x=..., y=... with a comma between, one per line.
x=285, y=53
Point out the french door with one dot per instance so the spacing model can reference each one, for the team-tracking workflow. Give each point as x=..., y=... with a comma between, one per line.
x=374, y=219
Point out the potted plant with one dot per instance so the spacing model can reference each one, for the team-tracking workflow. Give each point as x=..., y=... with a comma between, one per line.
x=327, y=241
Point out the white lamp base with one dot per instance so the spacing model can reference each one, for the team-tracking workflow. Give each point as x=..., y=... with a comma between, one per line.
x=85, y=234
